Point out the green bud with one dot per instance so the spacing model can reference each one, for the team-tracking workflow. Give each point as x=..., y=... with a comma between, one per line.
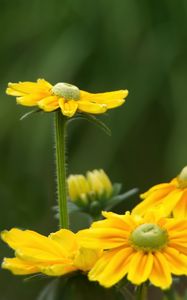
x=182, y=178
x=149, y=237
x=66, y=90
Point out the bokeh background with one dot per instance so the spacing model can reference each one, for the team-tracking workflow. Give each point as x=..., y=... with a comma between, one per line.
x=99, y=45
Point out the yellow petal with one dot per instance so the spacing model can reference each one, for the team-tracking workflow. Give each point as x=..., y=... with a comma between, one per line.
x=161, y=199
x=19, y=267
x=86, y=258
x=66, y=239
x=111, y=267
x=44, y=84
x=176, y=260
x=10, y=91
x=29, y=100
x=140, y=267
x=28, y=87
x=127, y=221
x=158, y=187
x=180, y=210
x=107, y=98
x=68, y=108
x=92, y=108
x=32, y=241
x=57, y=270
x=160, y=275
x=104, y=238
x=49, y=103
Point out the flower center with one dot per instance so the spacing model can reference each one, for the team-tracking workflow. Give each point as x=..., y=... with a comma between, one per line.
x=66, y=90
x=182, y=178
x=149, y=237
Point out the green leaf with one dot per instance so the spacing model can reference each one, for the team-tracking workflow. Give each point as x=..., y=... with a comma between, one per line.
x=50, y=291
x=80, y=288
x=79, y=220
x=92, y=119
x=30, y=113
x=120, y=198
x=116, y=189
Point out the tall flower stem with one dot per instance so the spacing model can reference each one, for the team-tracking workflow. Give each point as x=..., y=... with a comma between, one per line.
x=141, y=292
x=60, y=132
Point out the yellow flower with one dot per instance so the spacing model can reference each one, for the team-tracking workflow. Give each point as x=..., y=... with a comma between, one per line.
x=94, y=185
x=150, y=248
x=55, y=255
x=170, y=197
x=65, y=96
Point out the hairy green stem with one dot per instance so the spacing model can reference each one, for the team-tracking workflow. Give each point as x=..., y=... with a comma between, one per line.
x=60, y=130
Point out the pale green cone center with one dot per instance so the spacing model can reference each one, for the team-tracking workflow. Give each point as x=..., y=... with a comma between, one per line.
x=66, y=90
x=149, y=237
x=182, y=178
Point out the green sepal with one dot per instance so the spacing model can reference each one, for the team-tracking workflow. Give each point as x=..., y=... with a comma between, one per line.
x=92, y=119
x=30, y=113
x=120, y=198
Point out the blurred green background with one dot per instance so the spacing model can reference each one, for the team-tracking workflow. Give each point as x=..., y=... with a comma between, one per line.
x=99, y=45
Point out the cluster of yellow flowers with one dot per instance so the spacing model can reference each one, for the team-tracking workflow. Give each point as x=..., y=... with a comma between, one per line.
x=143, y=246
x=148, y=244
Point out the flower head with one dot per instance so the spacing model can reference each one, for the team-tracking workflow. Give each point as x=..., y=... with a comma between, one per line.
x=65, y=96
x=169, y=197
x=143, y=248
x=96, y=184
x=58, y=254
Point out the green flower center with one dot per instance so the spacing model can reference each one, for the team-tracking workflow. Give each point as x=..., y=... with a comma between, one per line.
x=149, y=237
x=182, y=178
x=66, y=90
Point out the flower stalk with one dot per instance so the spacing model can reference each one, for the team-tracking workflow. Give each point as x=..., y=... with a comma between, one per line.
x=141, y=292
x=60, y=133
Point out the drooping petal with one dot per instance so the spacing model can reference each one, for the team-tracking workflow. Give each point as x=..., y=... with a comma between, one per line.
x=69, y=107
x=32, y=241
x=66, y=239
x=30, y=100
x=92, y=108
x=19, y=267
x=111, y=267
x=49, y=103
x=176, y=260
x=85, y=258
x=140, y=267
x=57, y=269
x=161, y=274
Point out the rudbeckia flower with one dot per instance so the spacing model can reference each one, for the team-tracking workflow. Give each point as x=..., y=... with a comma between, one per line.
x=58, y=254
x=65, y=96
x=150, y=248
x=169, y=197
